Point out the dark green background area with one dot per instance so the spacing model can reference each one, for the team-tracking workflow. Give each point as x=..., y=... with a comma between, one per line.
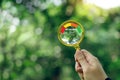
x=30, y=49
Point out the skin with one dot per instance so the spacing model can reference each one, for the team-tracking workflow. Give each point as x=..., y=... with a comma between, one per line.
x=88, y=66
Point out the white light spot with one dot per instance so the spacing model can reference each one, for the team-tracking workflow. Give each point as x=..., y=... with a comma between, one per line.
x=38, y=31
x=43, y=6
x=57, y=2
x=38, y=68
x=18, y=1
x=12, y=28
x=117, y=35
x=33, y=58
x=36, y=3
x=31, y=9
x=6, y=74
x=16, y=21
x=105, y=4
x=18, y=63
x=1, y=58
x=57, y=53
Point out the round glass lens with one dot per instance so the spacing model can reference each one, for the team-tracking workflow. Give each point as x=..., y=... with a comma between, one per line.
x=70, y=32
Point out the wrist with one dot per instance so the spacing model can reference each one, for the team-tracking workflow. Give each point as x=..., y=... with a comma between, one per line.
x=107, y=79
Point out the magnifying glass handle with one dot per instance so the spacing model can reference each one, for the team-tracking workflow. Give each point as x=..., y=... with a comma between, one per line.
x=77, y=47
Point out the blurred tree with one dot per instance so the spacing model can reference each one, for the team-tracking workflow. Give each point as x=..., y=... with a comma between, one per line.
x=30, y=50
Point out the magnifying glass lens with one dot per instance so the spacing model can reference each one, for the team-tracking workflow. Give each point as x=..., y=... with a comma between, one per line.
x=71, y=34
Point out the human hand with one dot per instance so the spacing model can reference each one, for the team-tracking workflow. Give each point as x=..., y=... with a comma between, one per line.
x=88, y=66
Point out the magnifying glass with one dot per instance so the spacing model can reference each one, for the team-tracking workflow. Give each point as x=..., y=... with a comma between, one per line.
x=71, y=33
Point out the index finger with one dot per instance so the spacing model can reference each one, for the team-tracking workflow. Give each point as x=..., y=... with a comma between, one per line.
x=79, y=56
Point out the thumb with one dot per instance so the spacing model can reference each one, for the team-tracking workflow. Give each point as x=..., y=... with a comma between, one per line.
x=80, y=57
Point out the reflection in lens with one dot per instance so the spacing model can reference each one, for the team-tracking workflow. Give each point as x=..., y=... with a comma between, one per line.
x=71, y=33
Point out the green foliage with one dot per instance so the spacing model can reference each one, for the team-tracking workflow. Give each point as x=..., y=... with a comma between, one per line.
x=30, y=50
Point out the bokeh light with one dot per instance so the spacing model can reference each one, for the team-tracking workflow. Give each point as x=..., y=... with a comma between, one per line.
x=30, y=49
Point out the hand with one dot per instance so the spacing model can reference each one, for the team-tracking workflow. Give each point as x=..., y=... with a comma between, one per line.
x=88, y=66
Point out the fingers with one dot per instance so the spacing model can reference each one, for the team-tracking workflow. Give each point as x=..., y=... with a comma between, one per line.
x=89, y=65
x=89, y=57
x=81, y=76
x=86, y=53
x=78, y=67
x=85, y=58
x=80, y=58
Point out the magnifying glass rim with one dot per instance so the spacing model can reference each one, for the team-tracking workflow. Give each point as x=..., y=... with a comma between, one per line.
x=77, y=43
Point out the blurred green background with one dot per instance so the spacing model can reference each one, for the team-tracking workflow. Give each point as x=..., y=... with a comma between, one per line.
x=29, y=47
